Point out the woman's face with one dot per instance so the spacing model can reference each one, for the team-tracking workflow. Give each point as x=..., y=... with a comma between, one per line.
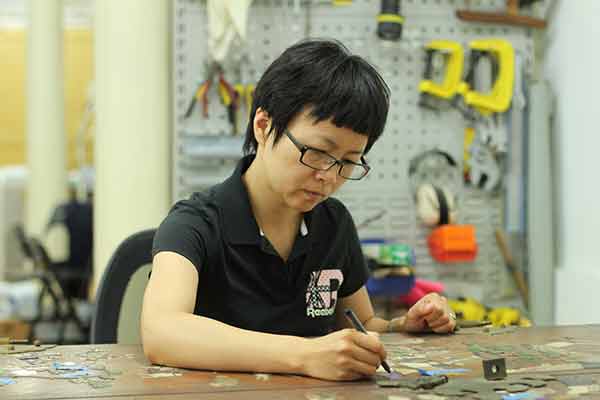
x=297, y=185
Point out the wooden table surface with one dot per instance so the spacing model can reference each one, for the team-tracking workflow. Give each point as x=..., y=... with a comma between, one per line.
x=571, y=354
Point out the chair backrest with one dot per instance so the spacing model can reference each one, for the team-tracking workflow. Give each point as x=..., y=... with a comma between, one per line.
x=132, y=254
x=77, y=219
x=23, y=242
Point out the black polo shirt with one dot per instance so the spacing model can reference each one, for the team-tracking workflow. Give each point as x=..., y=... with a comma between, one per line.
x=243, y=282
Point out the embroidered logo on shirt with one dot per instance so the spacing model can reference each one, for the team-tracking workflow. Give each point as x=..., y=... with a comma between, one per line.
x=321, y=294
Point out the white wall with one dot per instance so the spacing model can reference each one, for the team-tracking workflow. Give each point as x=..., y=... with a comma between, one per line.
x=572, y=65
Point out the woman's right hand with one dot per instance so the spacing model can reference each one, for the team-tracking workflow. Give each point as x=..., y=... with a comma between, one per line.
x=343, y=355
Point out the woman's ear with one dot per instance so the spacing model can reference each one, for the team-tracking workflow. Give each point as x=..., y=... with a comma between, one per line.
x=262, y=126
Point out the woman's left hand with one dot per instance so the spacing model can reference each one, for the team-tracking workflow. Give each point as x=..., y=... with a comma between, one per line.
x=430, y=312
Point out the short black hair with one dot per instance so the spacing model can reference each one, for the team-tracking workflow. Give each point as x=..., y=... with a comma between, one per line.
x=323, y=76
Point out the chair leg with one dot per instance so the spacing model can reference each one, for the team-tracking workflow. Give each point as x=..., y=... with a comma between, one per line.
x=39, y=312
x=58, y=314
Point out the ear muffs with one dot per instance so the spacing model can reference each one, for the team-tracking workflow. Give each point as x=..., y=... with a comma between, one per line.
x=435, y=205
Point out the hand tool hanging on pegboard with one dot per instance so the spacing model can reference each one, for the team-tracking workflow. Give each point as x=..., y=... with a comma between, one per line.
x=510, y=17
x=390, y=21
x=502, y=56
x=201, y=93
x=479, y=106
x=486, y=137
x=432, y=94
x=231, y=100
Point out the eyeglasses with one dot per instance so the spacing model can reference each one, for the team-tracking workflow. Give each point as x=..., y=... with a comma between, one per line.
x=322, y=161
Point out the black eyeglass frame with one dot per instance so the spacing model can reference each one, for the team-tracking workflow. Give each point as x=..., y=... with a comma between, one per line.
x=304, y=148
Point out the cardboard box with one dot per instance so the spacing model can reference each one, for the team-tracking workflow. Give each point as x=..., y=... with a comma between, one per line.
x=14, y=329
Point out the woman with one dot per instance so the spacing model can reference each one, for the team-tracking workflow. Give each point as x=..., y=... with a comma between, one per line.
x=254, y=274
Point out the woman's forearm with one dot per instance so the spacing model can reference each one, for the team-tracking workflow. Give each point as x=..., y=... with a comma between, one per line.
x=190, y=341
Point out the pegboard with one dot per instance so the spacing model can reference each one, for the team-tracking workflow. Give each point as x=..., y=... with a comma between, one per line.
x=205, y=150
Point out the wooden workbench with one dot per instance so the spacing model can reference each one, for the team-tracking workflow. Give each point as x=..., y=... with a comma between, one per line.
x=120, y=371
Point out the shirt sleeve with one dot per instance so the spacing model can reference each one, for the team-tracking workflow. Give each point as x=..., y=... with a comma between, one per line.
x=183, y=232
x=356, y=271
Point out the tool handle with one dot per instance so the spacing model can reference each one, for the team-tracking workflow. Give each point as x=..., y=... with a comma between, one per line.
x=510, y=264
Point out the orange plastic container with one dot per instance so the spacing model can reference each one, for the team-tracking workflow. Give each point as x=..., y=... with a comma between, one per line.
x=453, y=243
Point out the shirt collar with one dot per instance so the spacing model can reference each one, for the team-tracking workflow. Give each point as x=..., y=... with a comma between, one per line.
x=303, y=229
x=240, y=226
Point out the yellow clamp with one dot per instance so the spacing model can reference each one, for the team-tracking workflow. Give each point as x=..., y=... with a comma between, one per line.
x=504, y=316
x=469, y=309
x=454, y=69
x=499, y=98
x=341, y=2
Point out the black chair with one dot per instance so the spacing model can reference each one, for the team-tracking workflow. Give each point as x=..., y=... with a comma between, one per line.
x=71, y=279
x=34, y=251
x=132, y=254
x=77, y=219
